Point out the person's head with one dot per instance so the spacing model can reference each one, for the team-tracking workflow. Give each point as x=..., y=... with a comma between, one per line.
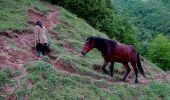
x=39, y=23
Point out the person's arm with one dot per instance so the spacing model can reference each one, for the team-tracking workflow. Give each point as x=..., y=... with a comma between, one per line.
x=46, y=32
x=48, y=37
x=36, y=33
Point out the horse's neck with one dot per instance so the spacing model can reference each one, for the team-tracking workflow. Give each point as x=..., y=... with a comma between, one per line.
x=101, y=45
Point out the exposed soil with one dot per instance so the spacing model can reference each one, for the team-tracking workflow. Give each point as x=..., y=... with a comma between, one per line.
x=49, y=20
x=65, y=66
x=97, y=68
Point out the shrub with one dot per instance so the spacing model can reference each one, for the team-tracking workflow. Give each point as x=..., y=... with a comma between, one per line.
x=159, y=51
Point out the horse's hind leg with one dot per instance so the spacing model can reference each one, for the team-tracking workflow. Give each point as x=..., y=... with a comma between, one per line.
x=104, y=66
x=111, y=68
x=127, y=70
x=135, y=70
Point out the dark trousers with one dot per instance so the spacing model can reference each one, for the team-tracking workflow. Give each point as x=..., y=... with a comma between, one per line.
x=43, y=48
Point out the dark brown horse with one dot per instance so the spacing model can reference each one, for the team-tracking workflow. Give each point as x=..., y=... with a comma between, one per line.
x=113, y=51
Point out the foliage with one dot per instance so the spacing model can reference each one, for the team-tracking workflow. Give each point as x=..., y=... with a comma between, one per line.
x=101, y=15
x=159, y=51
x=150, y=16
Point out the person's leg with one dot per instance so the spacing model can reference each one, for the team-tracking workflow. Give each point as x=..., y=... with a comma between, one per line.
x=42, y=49
x=39, y=49
x=46, y=49
x=40, y=54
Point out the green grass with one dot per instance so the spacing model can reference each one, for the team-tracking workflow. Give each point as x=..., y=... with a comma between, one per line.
x=6, y=77
x=48, y=83
x=13, y=13
x=51, y=84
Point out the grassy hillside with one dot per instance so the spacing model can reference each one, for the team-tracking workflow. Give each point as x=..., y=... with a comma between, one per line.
x=13, y=13
x=69, y=76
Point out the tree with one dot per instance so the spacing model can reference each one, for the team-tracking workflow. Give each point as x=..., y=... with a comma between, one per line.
x=159, y=51
x=103, y=16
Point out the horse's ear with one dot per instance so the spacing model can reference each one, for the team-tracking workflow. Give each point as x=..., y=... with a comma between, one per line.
x=89, y=38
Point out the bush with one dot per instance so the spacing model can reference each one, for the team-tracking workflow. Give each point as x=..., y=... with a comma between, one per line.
x=159, y=51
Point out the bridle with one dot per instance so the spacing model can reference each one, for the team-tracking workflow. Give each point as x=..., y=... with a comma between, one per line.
x=92, y=46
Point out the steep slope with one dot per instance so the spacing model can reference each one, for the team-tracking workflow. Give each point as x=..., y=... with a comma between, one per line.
x=65, y=74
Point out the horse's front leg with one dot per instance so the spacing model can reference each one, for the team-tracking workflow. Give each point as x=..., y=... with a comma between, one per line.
x=111, y=68
x=104, y=67
x=127, y=71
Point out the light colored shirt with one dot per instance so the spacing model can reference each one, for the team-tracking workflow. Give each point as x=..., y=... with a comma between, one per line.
x=40, y=34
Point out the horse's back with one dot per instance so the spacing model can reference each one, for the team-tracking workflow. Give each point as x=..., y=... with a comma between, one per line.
x=123, y=53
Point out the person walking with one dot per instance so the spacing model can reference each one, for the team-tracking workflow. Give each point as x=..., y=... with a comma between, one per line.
x=41, y=39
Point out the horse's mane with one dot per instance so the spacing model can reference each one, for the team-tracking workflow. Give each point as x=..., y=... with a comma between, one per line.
x=104, y=45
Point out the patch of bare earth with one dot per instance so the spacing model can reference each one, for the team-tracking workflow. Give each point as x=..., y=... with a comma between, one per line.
x=65, y=66
x=49, y=20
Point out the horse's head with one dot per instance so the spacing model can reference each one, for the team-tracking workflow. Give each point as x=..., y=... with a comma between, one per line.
x=89, y=45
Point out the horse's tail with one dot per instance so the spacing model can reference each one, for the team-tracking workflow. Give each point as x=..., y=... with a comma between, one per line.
x=140, y=66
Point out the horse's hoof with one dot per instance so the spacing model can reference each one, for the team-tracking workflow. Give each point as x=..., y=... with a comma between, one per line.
x=136, y=81
x=104, y=72
x=123, y=79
